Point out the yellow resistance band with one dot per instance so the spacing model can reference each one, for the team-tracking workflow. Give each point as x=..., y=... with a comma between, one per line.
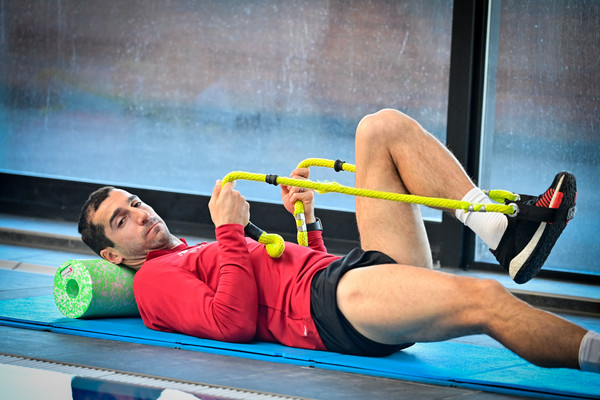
x=434, y=202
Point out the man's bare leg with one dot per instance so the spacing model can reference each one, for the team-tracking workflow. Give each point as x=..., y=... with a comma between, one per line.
x=393, y=153
x=402, y=303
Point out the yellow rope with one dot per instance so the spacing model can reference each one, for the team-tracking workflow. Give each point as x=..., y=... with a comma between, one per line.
x=274, y=244
x=434, y=202
x=501, y=195
x=321, y=162
x=376, y=194
x=300, y=223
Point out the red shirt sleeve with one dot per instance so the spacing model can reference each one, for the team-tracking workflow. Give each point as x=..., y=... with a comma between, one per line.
x=176, y=299
x=315, y=241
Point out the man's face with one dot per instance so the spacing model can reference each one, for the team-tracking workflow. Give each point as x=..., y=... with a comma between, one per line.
x=133, y=226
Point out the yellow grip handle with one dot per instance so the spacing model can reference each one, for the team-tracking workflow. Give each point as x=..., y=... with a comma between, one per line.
x=301, y=223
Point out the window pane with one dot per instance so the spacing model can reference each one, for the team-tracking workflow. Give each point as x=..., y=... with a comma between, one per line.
x=543, y=113
x=176, y=94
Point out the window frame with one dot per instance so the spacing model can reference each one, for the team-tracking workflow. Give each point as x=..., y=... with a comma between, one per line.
x=474, y=22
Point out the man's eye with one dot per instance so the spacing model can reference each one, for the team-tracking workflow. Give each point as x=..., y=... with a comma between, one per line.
x=137, y=204
x=121, y=222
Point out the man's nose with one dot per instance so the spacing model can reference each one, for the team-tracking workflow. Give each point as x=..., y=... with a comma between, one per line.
x=141, y=216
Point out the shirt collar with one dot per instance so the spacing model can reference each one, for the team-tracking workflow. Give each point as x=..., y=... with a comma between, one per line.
x=157, y=253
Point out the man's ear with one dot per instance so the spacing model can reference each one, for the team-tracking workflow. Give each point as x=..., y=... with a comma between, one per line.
x=111, y=255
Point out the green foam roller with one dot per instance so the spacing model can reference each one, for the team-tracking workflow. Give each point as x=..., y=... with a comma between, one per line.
x=94, y=289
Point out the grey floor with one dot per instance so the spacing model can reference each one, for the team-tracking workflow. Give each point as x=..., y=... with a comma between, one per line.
x=19, y=252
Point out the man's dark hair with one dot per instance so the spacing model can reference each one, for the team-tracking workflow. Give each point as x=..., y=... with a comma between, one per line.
x=91, y=234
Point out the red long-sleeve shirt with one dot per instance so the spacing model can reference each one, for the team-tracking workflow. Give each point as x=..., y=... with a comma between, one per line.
x=232, y=290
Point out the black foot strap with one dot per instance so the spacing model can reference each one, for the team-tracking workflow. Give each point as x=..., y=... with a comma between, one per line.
x=532, y=212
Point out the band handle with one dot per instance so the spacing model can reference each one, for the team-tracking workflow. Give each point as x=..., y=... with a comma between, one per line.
x=274, y=244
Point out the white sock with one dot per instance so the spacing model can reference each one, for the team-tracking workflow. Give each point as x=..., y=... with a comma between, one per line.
x=589, y=352
x=489, y=226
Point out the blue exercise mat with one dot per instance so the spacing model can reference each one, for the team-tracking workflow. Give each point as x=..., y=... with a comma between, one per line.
x=450, y=363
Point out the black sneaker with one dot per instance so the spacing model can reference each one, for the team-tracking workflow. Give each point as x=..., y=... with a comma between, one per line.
x=530, y=235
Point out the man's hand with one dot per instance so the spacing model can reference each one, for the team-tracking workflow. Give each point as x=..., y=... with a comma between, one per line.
x=228, y=206
x=290, y=194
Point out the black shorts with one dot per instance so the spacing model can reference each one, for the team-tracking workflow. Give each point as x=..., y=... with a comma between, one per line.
x=336, y=332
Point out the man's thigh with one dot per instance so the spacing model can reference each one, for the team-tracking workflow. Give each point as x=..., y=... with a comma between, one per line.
x=393, y=303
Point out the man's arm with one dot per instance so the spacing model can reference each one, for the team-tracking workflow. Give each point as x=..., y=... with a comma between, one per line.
x=289, y=196
x=215, y=300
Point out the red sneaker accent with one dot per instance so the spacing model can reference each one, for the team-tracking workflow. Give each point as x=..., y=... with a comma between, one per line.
x=546, y=198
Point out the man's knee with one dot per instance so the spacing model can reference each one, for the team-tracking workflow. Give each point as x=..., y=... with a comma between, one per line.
x=380, y=120
x=481, y=289
x=384, y=125
x=483, y=296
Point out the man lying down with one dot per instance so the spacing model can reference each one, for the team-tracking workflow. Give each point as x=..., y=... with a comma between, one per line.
x=374, y=301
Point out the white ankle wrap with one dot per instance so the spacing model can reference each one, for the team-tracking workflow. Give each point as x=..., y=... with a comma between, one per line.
x=488, y=226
